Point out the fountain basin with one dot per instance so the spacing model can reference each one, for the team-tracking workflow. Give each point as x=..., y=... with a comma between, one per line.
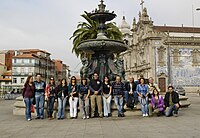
x=93, y=45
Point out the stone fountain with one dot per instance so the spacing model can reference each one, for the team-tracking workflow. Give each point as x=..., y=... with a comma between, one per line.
x=104, y=60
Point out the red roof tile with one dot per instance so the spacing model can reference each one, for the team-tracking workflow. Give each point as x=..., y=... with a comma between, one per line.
x=26, y=56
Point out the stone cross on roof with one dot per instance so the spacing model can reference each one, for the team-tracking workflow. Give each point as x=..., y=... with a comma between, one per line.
x=142, y=4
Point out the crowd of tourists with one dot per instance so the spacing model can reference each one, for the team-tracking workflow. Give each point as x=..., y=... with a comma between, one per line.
x=94, y=98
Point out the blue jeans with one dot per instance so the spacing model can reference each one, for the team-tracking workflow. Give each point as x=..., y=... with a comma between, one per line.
x=61, y=107
x=50, y=105
x=39, y=99
x=171, y=110
x=28, y=103
x=119, y=104
x=144, y=106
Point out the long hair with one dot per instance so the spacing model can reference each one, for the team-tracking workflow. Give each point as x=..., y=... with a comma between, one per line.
x=106, y=77
x=82, y=81
x=28, y=80
x=53, y=81
x=155, y=89
x=64, y=80
x=73, y=77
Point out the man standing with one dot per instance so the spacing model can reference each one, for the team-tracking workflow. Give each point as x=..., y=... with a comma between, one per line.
x=39, y=96
x=96, y=91
x=130, y=90
x=152, y=86
x=171, y=102
x=118, y=92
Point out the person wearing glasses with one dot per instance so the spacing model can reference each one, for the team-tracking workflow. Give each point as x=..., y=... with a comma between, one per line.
x=50, y=95
x=73, y=91
x=96, y=91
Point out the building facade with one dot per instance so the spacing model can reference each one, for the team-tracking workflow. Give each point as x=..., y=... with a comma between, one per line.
x=169, y=54
x=6, y=70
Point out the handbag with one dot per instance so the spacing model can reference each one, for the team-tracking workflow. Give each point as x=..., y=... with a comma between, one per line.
x=32, y=109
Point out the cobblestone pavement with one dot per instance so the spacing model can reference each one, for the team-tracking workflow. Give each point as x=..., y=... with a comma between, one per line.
x=186, y=125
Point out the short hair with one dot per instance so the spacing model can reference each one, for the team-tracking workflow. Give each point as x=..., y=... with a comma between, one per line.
x=170, y=87
x=38, y=74
x=96, y=73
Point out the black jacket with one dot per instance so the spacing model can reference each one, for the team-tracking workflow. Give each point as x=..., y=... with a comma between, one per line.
x=175, y=98
x=61, y=90
x=128, y=87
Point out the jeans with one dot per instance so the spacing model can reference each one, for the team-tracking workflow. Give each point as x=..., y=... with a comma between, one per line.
x=84, y=106
x=144, y=107
x=135, y=96
x=50, y=105
x=73, y=106
x=171, y=110
x=28, y=103
x=99, y=104
x=118, y=103
x=39, y=99
x=106, y=104
x=61, y=107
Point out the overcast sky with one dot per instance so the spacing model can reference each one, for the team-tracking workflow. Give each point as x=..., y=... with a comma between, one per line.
x=48, y=24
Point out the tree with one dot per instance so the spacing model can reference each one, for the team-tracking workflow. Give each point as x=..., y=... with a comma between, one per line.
x=89, y=30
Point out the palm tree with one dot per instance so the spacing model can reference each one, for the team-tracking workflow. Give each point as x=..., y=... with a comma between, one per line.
x=89, y=30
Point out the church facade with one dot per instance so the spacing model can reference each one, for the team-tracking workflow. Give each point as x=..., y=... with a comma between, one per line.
x=169, y=54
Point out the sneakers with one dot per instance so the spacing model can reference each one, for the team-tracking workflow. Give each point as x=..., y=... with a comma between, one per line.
x=88, y=117
x=146, y=115
x=143, y=115
x=29, y=119
x=84, y=118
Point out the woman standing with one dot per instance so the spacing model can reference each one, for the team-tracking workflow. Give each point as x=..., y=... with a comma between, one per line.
x=62, y=98
x=84, y=98
x=107, y=89
x=50, y=94
x=157, y=103
x=28, y=96
x=143, y=91
x=73, y=99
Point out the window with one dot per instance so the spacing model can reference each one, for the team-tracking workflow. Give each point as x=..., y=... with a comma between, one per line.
x=22, y=70
x=30, y=70
x=22, y=61
x=22, y=80
x=30, y=60
x=14, y=80
x=14, y=70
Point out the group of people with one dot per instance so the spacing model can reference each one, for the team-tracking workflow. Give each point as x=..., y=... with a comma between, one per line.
x=97, y=95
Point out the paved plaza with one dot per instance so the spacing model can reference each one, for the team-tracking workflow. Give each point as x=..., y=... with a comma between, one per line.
x=186, y=125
